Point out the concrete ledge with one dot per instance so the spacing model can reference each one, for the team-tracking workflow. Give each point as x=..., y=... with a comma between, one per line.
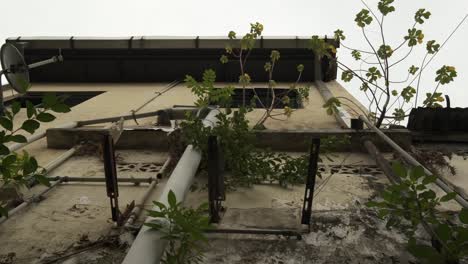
x=281, y=140
x=131, y=138
x=445, y=137
x=299, y=140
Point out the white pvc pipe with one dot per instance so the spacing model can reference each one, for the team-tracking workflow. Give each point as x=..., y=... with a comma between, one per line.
x=148, y=247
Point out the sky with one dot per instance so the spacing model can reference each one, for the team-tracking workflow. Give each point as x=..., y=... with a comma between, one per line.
x=280, y=18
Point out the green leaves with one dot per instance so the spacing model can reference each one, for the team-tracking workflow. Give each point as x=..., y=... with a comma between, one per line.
x=224, y=59
x=45, y=117
x=339, y=35
x=274, y=56
x=356, y=54
x=385, y=7
x=183, y=228
x=300, y=68
x=332, y=105
x=16, y=138
x=363, y=18
x=408, y=93
x=414, y=37
x=399, y=114
x=463, y=216
x=6, y=123
x=427, y=253
x=433, y=100
x=446, y=74
x=385, y=52
x=373, y=74
x=347, y=76
x=448, y=197
x=399, y=170
x=321, y=48
x=232, y=35
x=432, y=47
x=420, y=15
x=30, y=126
x=413, y=69
x=171, y=199
x=31, y=110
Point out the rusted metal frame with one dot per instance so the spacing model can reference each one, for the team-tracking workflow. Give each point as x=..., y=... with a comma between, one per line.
x=216, y=191
x=310, y=182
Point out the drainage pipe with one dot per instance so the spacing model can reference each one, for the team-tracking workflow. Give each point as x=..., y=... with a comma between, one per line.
x=35, y=137
x=148, y=247
x=413, y=161
x=342, y=117
x=139, y=205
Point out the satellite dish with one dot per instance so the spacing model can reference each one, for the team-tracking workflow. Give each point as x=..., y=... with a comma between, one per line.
x=14, y=67
x=16, y=70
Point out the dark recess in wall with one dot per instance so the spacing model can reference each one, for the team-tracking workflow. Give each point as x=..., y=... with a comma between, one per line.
x=163, y=65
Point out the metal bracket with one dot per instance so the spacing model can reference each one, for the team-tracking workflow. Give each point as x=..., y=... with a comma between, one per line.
x=310, y=183
x=216, y=192
x=112, y=186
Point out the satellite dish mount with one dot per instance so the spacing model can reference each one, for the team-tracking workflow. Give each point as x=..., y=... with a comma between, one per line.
x=16, y=70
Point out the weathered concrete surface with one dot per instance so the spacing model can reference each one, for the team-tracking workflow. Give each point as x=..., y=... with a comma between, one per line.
x=75, y=209
x=343, y=229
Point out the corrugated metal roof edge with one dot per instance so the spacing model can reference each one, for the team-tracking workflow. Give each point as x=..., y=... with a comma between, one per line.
x=155, y=42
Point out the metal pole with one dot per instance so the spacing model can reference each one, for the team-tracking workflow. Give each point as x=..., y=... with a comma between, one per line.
x=101, y=179
x=413, y=161
x=28, y=202
x=149, y=245
x=170, y=86
x=139, y=205
x=162, y=172
x=54, y=59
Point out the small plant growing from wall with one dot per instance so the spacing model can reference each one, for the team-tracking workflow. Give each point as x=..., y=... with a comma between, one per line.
x=379, y=65
x=247, y=164
x=183, y=228
x=411, y=204
x=18, y=169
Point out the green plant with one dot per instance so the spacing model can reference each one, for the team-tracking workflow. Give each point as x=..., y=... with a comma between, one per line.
x=411, y=204
x=246, y=164
x=379, y=63
x=183, y=228
x=238, y=51
x=17, y=168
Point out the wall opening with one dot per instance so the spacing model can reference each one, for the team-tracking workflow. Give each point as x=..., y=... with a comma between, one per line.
x=71, y=98
x=265, y=96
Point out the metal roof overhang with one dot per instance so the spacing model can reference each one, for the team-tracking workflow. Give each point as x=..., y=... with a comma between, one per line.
x=160, y=59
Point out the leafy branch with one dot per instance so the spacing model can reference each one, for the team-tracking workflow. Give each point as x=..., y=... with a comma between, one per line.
x=18, y=168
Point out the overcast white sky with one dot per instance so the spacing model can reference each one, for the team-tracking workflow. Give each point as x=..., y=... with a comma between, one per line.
x=216, y=17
